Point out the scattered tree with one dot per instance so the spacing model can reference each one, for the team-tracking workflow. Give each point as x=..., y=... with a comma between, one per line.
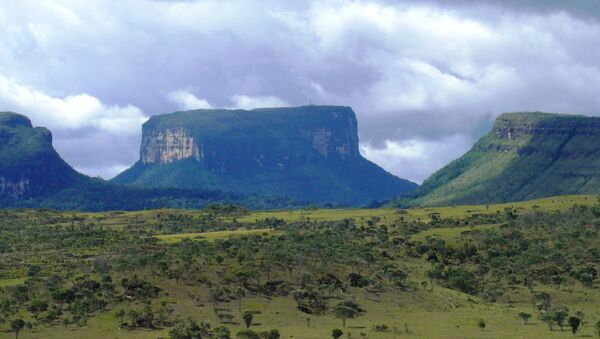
x=16, y=326
x=525, y=317
x=120, y=314
x=336, y=333
x=481, y=324
x=344, y=312
x=248, y=316
x=574, y=323
x=559, y=315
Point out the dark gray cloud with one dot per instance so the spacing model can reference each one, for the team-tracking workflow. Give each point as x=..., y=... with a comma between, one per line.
x=426, y=78
x=585, y=9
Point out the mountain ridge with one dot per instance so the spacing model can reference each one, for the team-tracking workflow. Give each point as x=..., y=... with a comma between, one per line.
x=526, y=155
x=33, y=175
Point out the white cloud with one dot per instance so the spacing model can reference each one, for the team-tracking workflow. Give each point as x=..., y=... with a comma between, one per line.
x=415, y=72
x=187, y=101
x=248, y=102
x=414, y=159
x=70, y=112
x=93, y=136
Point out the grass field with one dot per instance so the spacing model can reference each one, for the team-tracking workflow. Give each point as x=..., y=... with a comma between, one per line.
x=212, y=236
x=386, y=215
x=11, y=282
x=452, y=235
x=440, y=313
x=150, y=218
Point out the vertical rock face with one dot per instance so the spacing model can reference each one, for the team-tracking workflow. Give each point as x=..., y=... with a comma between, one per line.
x=32, y=174
x=167, y=146
x=14, y=189
x=254, y=143
x=308, y=152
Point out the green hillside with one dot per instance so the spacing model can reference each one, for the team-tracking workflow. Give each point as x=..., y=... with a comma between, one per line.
x=29, y=165
x=525, y=156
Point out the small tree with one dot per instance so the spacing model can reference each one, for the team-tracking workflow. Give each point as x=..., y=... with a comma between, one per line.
x=597, y=327
x=239, y=294
x=525, y=317
x=336, y=333
x=120, y=314
x=581, y=315
x=542, y=301
x=37, y=306
x=559, y=315
x=148, y=316
x=33, y=271
x=548, y=319
x=248, y=316
x=344, y=313
x=574, y=323
x=16, y=326
x=481, y=324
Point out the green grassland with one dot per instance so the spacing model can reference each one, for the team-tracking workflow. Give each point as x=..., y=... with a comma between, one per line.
x=190, y=254
x=428, y=315
x=151, y=218
x=452, y=235
x=544, y=204
x=212, y=236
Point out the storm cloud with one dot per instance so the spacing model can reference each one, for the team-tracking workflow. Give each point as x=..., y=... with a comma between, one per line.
x=426, y=78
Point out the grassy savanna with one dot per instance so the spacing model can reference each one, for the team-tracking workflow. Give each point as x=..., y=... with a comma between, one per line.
x=452, y=235
x=389, y=214
x=426, y=316
x=211, y=236
x=422, y=273
x=151, y=219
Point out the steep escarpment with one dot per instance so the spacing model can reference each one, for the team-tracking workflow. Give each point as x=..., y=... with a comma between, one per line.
x=307, y=153
x=525, y=156
x=32, y=174
x=29, y=165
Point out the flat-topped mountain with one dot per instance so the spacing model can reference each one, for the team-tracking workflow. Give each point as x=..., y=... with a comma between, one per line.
x=32, y=174
x=525, y=156
x=308, y=153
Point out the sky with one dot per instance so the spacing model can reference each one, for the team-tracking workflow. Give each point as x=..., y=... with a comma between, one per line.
x=425, y=78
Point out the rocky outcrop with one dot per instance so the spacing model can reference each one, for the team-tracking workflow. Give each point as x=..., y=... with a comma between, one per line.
x=13, y=189
x=169, y=145
x=306, y=153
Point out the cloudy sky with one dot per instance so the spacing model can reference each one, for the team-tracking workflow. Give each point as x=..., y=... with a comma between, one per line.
x=426, y=78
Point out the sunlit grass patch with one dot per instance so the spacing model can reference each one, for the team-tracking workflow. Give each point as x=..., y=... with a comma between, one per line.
x=212, y=236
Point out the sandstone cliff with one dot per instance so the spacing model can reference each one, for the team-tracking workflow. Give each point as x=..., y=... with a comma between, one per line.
x=308, y=153
x=32, y=174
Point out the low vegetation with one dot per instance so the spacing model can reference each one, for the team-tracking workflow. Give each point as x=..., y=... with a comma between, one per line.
x=516, y=270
